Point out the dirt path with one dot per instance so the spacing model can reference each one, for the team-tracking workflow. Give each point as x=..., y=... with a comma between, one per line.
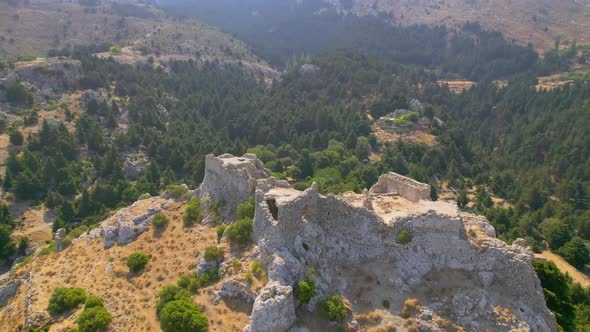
x=564, y=266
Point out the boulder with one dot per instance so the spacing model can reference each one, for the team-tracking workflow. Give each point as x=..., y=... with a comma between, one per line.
x=8, y=291
x=416, y=106
x=8, y=78
x=38, y=319
x=128, y=231
x=110, y=235
x=309, y=69
x=274, y=309
x=285, y=268
x=204, y=265
x=135, y=166
x=235, y=288
x=59, y=236
x=89, y=95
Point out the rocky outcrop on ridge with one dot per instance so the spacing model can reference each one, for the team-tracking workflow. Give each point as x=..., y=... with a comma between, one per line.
x=296, y=231
x=55, y=74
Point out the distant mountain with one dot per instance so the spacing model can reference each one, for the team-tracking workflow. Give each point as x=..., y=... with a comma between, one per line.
x=539, y=22
x=34, y=29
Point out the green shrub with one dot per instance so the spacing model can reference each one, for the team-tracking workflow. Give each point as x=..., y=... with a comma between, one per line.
x=185, y=280
x=115, y=49
x=19, y=95
x=66, y=242
x=207, y=278
x=168, y=294
x=93, y=301
x=213, y=253
x=183, y=316
x=333, y=308
x=305, y=290
x=220, y=230
x=137, y=261
x=214, y=209
x=257, y=269
x=240, y=232
x=47, y=250
x=15, y=137
x=192, y=283
x=160, y=221
x=26, y=58
x=404, y=237
x=177, y=191
x=64, y=299
x=192, y=213
x=246, y=209
x=575, y=252
x=94, y=319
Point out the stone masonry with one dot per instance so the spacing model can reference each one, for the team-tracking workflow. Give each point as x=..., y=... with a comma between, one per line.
x=298, y=230
x=393, y=183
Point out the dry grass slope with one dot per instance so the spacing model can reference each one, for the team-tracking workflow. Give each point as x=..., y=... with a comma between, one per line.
x=535, y=21
x=35, y=29
x=130, y=297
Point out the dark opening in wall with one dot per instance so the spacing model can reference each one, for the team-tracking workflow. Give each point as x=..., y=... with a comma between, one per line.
x=272, y=206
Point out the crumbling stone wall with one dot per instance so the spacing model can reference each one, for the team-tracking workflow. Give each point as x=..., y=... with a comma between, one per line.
x=231, y=180
x=410, y=189
x=297, y=230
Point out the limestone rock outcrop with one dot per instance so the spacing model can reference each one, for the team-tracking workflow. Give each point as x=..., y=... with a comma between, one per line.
x=58, y=237
x=55, y=74
x=135, y=166
x=235, y=288
x=204, y=265
x=128, y=223
x=8, y=291
x=274, y=309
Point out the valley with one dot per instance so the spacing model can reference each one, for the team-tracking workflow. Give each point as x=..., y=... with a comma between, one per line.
x=301, y=166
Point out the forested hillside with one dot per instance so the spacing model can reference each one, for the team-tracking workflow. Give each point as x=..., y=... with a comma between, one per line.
x=510, y=141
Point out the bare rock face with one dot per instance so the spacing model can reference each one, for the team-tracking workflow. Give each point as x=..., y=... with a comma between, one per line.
x=235, y=289
x=8, y=291
x=309, y=69
x=59, y=236
x=127, y=224
x=204, y=265
x=274, y=309
x=38, y=319
x=55, y=74
x=135, y=166
x=8, y=79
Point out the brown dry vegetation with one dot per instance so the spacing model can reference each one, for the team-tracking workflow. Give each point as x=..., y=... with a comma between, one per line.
x=130, y=297
x=34, y=29
x=526, y=21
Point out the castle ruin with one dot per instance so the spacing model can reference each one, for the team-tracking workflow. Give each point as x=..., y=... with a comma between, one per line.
x=350, y=236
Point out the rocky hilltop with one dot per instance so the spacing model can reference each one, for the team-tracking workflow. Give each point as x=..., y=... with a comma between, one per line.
x=400, y=261
x=452, y=264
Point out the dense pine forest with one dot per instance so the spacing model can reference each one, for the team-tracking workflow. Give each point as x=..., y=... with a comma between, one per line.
x=529, y=147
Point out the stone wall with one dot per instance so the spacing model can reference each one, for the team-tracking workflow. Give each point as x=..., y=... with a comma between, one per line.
x=393, y=183
x=231, y=180
x=298, y=230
